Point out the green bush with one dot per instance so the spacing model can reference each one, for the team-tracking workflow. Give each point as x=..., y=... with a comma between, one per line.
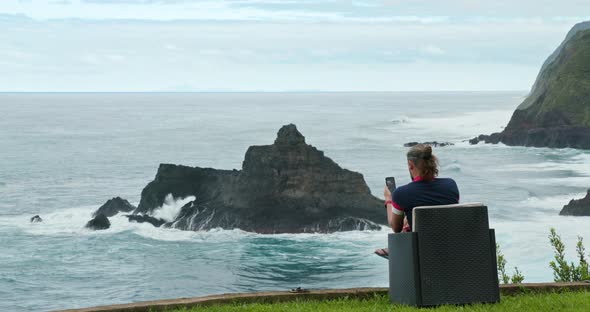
x=517, y=276
x=562, y=271
x=582, y=272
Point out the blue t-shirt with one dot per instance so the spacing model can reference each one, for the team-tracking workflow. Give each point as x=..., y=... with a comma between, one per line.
x=440, y=191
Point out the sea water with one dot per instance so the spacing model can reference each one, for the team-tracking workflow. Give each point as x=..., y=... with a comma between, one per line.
x=62, y=155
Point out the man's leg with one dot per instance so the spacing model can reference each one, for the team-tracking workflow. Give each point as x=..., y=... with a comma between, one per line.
x=384, y=252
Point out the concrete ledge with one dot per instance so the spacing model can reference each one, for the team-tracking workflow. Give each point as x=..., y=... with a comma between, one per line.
x=282, y=296
x=514, y=289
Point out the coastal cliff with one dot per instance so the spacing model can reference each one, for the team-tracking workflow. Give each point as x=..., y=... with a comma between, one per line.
x=285, y=187
x=556, y=113
x=577, y=207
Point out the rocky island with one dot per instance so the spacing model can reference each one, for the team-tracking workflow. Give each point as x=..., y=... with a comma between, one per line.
x=113, y=206
x=99, y=222
x=577, y=207
x=286, y=187
x=433, y=144
x=556, y=113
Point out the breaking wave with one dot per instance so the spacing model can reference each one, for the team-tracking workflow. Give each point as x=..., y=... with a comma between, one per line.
x=171, y=207
x=400, y=120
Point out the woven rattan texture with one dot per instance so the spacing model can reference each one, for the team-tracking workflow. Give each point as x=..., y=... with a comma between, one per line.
x=455, y=256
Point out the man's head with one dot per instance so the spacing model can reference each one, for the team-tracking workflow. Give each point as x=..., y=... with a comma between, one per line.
x=422, y=163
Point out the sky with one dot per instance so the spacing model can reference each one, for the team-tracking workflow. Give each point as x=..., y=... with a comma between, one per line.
x=279, y=45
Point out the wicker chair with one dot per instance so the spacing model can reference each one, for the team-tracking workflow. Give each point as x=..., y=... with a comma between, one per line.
x=449, y=258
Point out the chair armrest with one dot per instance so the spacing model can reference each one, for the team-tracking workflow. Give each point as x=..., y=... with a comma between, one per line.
x=404, y=273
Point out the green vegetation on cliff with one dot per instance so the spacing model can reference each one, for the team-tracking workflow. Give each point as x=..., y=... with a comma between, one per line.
x=557, y=111
x=561, y=96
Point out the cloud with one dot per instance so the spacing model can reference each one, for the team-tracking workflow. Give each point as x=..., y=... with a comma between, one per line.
x=360, y=11
x=70, y=55
x=433, y=50
x=277, y=45
x=60, y=2
x=498, y=8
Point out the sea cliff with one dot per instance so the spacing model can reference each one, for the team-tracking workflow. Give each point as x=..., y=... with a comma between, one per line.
x=556, y=113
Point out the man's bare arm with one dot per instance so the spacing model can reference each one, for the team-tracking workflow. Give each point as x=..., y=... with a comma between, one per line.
x=395, y=217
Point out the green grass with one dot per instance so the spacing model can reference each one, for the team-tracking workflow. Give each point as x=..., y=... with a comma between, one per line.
x=565, y=301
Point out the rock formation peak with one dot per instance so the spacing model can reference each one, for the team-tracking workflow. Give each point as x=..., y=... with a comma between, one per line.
x=285, y=187
x=289, y=135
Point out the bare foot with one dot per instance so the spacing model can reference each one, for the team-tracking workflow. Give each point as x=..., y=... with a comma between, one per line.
x=382, y=252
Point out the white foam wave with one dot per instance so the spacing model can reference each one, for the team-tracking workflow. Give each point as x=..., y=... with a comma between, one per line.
x=524, y=243
x=464, y=143
x=171, y=207
x=70, y=221
x=567, y=160
x=466, y=125
x=582, y=158
x=402, y=119
x=219, y=235
x=558, y=182
x=554, y=203
x=547, y=166
x=453, y=167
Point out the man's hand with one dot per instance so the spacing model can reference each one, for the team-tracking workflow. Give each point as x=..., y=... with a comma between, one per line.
x=406, y=227
x=387, y=193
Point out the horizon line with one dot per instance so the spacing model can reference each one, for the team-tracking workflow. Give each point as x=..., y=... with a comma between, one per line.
x=280, y=91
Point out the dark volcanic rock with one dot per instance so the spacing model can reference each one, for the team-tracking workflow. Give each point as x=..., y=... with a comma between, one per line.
x=145, y=218
x=434, y=144
x=579, y=207
x=493, y=138
x=557, y=137
x=113, y=206
x=36, y=218
x=557, y=111
x=100, y=222
x=286, y=187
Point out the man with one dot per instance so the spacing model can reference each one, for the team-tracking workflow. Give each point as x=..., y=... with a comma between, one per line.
x=424, y=190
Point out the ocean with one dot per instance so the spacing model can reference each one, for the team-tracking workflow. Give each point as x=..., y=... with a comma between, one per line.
x=62, y=155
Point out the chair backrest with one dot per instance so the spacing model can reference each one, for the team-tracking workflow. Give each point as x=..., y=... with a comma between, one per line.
x=457, y=259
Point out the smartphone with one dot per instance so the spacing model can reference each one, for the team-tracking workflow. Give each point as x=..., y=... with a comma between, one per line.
x=390, y=182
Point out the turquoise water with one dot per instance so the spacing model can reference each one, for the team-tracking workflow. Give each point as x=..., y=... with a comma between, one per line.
x=63, y=155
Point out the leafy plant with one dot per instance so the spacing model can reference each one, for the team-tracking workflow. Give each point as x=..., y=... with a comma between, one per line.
x=562, y=271
x=582, y=272
x=501, y=266
x=517, y=276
